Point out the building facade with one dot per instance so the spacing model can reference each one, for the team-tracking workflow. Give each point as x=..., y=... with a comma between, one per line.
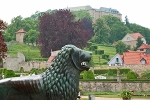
x=20, y=35
x=97, y=13
x=131, y=39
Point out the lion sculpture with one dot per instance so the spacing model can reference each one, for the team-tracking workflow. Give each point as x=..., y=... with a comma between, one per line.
x=59, y=82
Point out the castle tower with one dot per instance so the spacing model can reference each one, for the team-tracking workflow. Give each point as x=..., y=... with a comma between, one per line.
x=20, y=35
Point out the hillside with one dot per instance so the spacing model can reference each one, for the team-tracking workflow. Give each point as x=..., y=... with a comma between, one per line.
x=107, y=51
x=33, y=53
x=30, y=52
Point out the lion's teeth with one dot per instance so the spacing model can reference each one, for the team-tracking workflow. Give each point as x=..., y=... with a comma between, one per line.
x=83, y=63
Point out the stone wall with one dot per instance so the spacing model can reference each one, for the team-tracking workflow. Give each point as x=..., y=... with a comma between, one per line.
x=15, y=63
x=113, y=86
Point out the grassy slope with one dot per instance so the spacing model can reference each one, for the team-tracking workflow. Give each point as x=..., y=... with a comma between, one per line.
x=107, y=50
x=33, y=52
x=27, y=50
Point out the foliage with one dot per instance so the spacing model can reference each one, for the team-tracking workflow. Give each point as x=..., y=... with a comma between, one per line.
x=139, y=43
x=30, y=52
x=104, y=56
x=101, y=31
x=21, y=70
x=131, y=75
x=18, y=23
x=31, y=36
x=118, y=29
x=81, y=14
x=88, y=26
x=143, y=30
x=145, y=75
x=3, y=46
x=9, y=73
x=88, y=75
x=120, y=47
x=59, y=29
x=113, y=72
x=126, y=94
x=93, y=47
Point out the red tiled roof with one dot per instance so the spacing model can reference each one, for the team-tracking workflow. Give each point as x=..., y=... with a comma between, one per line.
x=21, y=31
x=135, y=57
x=144, y=46
x=136, y=35
x=51, y=58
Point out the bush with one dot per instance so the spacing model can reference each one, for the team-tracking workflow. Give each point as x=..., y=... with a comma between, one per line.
x=124, y=71
x=145, y=75
x=100, y=52
x=131, y=75
x=104, y=56
x=112, y=72
x=9, y=73
x=88, y=75
x=126, y=94
x=100, y=71
x=93, y=47
x=21, y=70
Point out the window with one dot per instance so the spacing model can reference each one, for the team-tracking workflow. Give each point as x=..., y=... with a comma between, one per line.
x=128, y=38
x=141, y=49
x=117, y=60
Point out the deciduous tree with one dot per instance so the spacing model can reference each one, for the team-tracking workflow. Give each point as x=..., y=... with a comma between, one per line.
x=3, y=46
x=58, y=29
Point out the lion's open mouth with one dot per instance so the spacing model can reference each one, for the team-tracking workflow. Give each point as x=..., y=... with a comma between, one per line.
x=83, y=64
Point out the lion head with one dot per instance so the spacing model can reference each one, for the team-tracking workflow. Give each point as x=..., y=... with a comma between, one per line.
x=78, y=56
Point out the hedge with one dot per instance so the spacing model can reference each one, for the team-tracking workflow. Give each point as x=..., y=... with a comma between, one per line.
x=111, y=72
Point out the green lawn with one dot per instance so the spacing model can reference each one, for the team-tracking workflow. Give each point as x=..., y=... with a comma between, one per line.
x=30, y=52
x=33, y=52
x=107, y=50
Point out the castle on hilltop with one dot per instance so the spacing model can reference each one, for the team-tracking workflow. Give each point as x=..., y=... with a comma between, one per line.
x=97, y=13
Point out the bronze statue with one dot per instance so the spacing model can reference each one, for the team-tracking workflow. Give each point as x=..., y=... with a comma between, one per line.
x=59, y=82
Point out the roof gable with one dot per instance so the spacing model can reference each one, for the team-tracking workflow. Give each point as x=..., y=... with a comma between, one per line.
x=128, y=37
x=116, y=56
x=144, y=46
x=21, y=31
x=136, y=35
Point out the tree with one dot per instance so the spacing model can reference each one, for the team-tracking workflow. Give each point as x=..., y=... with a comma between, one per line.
x=3, y=46
x=58, y=29
x=118, y=29
x=31, y=36
x=81, y=14
x=120, y=47
x=88, y=26
x=101, y=31
x=18, y=23
x=127, y=21
x=139, y=42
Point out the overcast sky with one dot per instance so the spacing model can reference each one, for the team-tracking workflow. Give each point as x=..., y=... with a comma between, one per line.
x=136, y=10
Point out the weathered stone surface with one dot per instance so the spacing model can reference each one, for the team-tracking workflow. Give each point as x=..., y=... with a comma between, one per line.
x=114, y=86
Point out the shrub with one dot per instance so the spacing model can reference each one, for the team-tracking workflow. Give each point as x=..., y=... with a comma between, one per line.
x=100, y=71
x=145, y=75
x=131, y=75
x=126, y=94
x=124, y=71
x=93, y=47
x=112, y=72
x=88, y=75
x=100, y=52
x=21, y=70
x=9, y=73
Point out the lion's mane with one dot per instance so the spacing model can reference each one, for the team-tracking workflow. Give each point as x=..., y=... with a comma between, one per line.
x=61, y=80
